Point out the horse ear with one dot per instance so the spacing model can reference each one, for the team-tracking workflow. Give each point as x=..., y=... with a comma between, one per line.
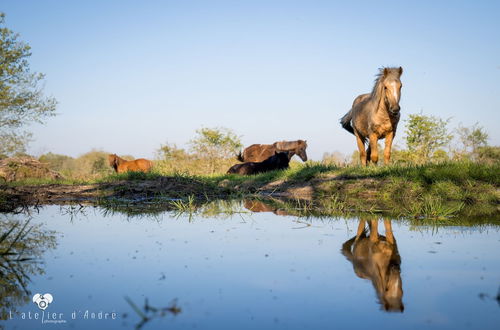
x=386, y=72
x=400, y=71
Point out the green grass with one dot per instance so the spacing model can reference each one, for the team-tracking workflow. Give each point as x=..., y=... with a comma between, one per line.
x=456, y=172
x=433, y=207
x=431, y=190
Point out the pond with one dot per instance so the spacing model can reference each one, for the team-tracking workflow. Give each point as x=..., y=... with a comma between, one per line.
x=250, y=267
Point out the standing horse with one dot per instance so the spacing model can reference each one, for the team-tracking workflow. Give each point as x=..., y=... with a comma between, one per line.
x=121, y=165
x=261, y=152
x=376, y=257
x=376, y=115
x=278, y=161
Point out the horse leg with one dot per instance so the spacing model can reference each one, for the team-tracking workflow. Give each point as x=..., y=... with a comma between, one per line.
x=388, y=145
x=388, y=231
x=361, y=229
x=361, y=148
x=368, y=154
x=374, y=230
x=374, y=148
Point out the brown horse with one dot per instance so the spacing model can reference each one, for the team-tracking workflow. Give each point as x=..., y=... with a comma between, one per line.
x=121, y=165
x=376, y=115
x=278, y=161
x=376, y=257
x=261, y=152
x=260, y=206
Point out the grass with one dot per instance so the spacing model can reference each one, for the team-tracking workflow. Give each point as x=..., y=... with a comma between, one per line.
x=184, y=206
x=433, y=207
x=456, y=172
x=431, y=190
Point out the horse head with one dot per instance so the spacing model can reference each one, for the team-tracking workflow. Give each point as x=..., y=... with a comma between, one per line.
x=392, y=297
x=392, y=88
x=113, y=161
x=301, y=150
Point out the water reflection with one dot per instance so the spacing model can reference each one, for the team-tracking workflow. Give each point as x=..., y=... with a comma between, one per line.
x=21, y=246
x=148, y=313
x=376, y=257
x=260, y=206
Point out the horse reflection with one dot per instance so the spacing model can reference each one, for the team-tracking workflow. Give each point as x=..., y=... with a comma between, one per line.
x=259, y=206
x=376, y=257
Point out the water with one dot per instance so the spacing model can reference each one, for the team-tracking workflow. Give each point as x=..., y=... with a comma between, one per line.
x=252, y=271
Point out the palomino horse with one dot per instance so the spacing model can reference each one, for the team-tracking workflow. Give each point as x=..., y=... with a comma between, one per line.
x=121, y=165
x=278, y=161
x=261, y=152
x=376, y=257
x=376, y=115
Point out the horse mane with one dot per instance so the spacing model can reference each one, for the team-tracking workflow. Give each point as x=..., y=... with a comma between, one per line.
x=290, y=145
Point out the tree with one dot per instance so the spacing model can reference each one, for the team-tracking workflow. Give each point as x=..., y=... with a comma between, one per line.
x=424, y=136
x=170, y=151
x=21, y=92
x=472, y=138
x=215, y=143
x=54, y=161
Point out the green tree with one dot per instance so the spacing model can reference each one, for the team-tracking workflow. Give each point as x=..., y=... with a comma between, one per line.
x=425, y=135
x=215, y=143
x=169, y=151
x=472, y=138
x=21, y=92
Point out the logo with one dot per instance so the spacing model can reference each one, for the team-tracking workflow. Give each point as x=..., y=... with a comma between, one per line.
x=42, y=300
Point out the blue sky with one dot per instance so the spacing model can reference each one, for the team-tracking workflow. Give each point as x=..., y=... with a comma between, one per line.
x=131, y=75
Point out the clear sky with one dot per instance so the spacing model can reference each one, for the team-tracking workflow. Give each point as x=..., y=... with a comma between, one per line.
x=131, y=75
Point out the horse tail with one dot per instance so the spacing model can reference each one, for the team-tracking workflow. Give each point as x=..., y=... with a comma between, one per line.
x=240, y=157
x=346, y=122
x=347, y=249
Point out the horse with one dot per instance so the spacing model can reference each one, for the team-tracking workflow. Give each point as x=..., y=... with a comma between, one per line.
x=261, y=152
x=278, y=161
x=121, y=165
x=375, y=116
x=376, y=257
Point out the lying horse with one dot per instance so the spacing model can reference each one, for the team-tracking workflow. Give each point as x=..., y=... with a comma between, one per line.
x=376, y=258
x=261, y=152
x=260, y=206
x=376, y=115
x=121, y=165
x=278, y=161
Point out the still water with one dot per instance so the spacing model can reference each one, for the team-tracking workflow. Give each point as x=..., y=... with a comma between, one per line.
x=247, y=270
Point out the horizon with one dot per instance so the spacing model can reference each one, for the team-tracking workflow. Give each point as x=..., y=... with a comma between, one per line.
x=129, y=77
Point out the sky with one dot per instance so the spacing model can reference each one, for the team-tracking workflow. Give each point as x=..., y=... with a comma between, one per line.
x=132, y=75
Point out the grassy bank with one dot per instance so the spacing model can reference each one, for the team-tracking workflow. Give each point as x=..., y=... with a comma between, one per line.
x=431, y=191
